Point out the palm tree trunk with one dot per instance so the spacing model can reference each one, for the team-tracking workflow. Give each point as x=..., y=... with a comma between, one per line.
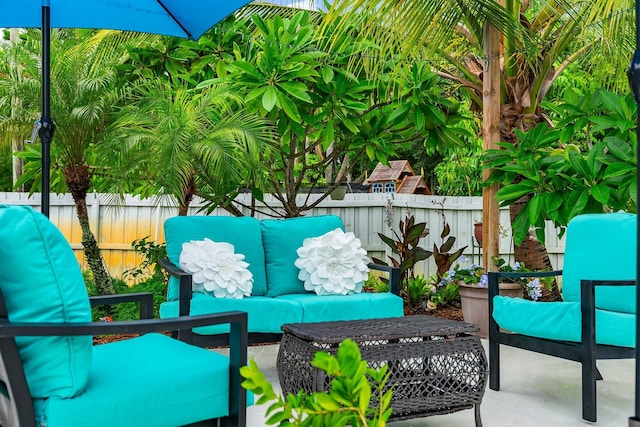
x=533, y=254
x=78, y=180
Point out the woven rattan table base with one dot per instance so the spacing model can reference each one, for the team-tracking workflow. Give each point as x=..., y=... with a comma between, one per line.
x=437, y=366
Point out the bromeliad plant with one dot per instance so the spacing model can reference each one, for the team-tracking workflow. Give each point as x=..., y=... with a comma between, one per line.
x=358, y=395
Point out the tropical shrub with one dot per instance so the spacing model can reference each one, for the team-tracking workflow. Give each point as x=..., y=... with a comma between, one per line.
x=358, y=395
x=564, y=179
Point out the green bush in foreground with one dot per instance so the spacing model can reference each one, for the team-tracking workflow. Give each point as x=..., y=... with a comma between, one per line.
x=358, y=395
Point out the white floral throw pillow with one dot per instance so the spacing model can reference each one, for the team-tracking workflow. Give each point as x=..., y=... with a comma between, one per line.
x=217, y=270
x=333, y=264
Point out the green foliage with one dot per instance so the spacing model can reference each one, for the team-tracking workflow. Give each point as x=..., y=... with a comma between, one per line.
x=331, y=121
x=6, y=164
x=557, y=179
x=446, y=294
x=460, y=171
x=358, y=395
x=151, y=252
x=419, y=290
x=406, y=247
x=375, y=284
x=128, y=311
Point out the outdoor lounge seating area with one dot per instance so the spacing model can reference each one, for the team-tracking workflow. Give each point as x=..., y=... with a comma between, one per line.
x=278, y=295
x=54, y=376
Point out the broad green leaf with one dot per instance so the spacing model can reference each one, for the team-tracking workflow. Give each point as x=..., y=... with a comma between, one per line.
x=269, y=98
x=621, y=149
x=535, y=208
x=514, y=191
x=601, y=193
x=371, y=152
x=297, y=90
x=327, y=74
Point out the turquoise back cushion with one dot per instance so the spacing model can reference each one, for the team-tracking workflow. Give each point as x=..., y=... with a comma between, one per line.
x=41, y=281
x=281, y=239
x=242, y=232
x=601, y=246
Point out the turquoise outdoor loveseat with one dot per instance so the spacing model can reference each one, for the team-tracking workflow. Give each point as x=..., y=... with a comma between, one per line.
x=278, y=296
x=597, y=317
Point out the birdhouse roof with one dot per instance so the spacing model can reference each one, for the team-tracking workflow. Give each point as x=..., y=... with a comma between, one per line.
x=393, y=172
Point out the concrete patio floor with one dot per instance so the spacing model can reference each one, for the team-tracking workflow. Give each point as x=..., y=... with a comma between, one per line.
x=537, y=390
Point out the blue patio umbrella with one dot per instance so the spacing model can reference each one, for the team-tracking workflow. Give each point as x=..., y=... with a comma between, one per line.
x=180, y=18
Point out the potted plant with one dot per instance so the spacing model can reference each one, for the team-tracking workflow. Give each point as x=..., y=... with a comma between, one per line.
x=472, y=282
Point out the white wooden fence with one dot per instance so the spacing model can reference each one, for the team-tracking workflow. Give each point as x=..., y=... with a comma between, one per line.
x=117, y=223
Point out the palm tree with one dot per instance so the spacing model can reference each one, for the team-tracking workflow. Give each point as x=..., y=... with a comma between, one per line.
x=83, y=96
x=534, y=42
x=185, y=142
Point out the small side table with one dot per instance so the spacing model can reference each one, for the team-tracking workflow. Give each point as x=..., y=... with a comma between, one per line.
x=437, y=366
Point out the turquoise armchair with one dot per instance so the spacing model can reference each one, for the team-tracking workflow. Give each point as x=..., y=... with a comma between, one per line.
x=597, y=317
x=51, y=373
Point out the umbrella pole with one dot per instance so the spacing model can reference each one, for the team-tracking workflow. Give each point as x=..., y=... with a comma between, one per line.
x=46, y=124
x=634, y=81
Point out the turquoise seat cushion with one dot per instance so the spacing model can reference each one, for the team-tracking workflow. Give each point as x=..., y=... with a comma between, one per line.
x=242, y=232
x=562, y=321
x=364, y=305
x=41, y=282
x=601, y=246
x=151, y=380
x=281, y=239
x=265, y=314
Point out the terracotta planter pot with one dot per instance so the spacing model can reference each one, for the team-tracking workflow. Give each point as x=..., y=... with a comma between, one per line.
x=477, y=232
x=475, y=303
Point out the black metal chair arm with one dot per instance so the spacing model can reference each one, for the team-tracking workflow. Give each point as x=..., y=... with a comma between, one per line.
x=171, y=268
x=394, y=276
x=237, y=318
x=186, y=285
x=144, y=298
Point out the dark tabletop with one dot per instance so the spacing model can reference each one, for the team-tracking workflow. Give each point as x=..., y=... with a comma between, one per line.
x=378, y=329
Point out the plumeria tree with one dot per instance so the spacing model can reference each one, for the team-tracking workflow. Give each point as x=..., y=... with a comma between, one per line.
x=329, y=119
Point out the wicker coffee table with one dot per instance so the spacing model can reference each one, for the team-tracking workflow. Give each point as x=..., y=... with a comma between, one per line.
x=437, y=366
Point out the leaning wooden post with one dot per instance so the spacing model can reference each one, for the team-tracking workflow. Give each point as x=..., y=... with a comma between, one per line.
x=490, y=138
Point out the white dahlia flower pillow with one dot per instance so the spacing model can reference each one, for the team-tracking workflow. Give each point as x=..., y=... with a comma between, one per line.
x=217, y=270
x=333, y=264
